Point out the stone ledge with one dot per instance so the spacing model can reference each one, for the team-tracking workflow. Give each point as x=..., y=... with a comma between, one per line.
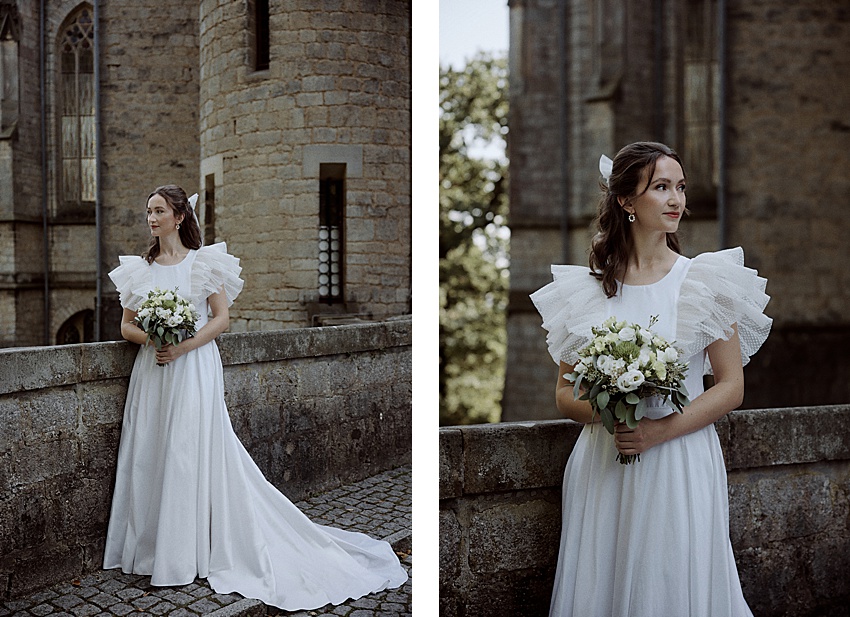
x=492, y=458
x=35, y=368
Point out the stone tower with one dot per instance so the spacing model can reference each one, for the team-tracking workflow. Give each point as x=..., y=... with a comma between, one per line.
x=753, y=98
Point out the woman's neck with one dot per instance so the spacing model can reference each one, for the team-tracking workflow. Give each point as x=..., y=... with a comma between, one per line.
x=649, y=258
x=170, y=246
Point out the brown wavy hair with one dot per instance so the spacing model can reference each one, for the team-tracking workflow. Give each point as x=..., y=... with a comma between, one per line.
x=612, y=244
x=190, y=234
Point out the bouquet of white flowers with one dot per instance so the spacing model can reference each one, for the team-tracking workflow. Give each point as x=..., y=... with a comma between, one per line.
x=621, y=368
x=166, y=317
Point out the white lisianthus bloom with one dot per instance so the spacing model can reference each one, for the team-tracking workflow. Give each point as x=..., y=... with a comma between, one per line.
x=627, y=334
x=644, y=357
x=630, y=380
x=602, y=363
x=162, y=313
x=174, y=321
x=581, y=368
x=670, y=355
x=599, y=344
x=168, y=296
x=645, y=336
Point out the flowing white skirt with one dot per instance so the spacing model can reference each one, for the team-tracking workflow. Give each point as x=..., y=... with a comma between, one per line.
x=189, y=501
x=648, y=539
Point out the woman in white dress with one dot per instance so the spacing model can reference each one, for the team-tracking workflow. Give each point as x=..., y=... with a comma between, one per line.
x=189, y=500
x=651, y=538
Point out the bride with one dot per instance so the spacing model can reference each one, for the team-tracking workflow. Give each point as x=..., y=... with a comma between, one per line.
x=189, y=501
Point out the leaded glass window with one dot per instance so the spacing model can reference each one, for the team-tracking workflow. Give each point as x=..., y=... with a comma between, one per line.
x=76, y=101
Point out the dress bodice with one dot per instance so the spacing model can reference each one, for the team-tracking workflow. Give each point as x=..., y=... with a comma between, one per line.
x=701, y=300
x=202, y=272
x=179, y=277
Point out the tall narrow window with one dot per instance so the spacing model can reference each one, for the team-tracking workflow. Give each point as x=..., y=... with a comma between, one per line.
x=331, y=236
x=76, y=100
x=209, y=209
x=9, y=86
x=258, y=34
x=701, y=104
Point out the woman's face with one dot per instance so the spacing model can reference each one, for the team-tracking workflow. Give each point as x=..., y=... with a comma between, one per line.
x=161, y=219
x=660, y=206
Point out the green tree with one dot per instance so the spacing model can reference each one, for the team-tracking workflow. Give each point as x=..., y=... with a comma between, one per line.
x=473, y=240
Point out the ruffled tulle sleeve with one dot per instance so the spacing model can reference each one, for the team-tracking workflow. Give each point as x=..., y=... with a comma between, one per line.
x=570, y=305
x=132, y=279
x=719, y=291
x=213, y=270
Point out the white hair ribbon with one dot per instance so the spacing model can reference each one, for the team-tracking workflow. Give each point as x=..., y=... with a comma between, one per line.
x=606, y=165
x=193, y=201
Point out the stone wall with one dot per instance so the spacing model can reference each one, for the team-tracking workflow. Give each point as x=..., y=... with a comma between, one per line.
x=316, y=408
x=789, y=500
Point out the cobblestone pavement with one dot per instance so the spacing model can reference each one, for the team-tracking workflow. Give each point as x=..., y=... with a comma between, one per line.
x=379, y=506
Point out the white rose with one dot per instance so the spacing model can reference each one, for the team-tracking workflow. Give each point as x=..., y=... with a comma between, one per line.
x=670, y=355
x=627, y=334
x=630, y=380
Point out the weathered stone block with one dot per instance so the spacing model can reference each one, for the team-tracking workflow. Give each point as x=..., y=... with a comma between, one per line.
x=451, y=463
x=531, y=527
x=502, y=457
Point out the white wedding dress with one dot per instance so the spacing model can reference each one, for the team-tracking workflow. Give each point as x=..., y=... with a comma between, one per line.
x=189, y=500
x=651, y=539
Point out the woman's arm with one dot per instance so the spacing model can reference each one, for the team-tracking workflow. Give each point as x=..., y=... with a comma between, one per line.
x=130, y=331
x=217, y=324
x=725, y=395
x=580, y=411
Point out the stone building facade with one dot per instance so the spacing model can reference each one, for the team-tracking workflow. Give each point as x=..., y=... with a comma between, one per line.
x=755, y=102
x=290, y=119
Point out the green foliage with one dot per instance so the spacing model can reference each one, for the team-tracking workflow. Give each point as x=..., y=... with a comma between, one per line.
x=473, y=242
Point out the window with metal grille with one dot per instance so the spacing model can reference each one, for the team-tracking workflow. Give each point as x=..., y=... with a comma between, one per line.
x=331, y=232
x=76, y=105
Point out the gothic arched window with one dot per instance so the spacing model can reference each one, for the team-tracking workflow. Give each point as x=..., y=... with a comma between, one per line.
x=76, y=103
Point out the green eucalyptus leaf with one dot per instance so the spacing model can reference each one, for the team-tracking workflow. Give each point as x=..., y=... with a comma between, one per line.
x=640, y=409
x=621, y=411
x=631, y=421
x=576, y=387
x=602, y=399
x=595, y=390
x=607, y=420
x=632, y=398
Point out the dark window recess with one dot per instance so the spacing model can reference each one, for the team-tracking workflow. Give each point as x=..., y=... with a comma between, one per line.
x=209, y=209
x=260, y=30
